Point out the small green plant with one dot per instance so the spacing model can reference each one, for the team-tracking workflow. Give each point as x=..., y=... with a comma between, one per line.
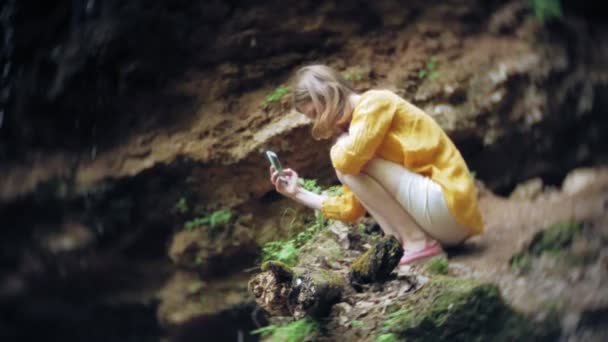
x=352, y=75
x=276, y=96
x=310, y=185
x=181, y=206
x=438, y=265
x=361, y=228
x=195, y=287
x=283, y=251
x=546, y=9
x=386, y=338
x=393, y=320
x=296, y=331
x=335, y=190
x=198, y=260
x=430, y=69
x=286, y=251
x=213, y=220
x=358, y=324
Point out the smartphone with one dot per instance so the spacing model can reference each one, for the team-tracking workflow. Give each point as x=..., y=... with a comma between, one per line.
x=276, y=164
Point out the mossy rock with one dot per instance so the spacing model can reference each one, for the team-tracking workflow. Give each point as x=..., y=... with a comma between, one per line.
x=452, y=309
x=554, y=240
x=378, y=262
x=317, y=291
x=283, y=272
x=297, y=292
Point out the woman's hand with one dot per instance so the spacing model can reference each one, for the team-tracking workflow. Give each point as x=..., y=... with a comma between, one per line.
x=288, y=185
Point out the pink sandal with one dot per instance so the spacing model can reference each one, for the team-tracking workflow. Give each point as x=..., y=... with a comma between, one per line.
x=430, y=250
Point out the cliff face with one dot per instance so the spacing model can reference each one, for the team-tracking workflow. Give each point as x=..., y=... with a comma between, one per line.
x=115, y=112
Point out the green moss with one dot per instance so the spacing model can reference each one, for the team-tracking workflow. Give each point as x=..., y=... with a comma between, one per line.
x=554, y=240
x=275, y=96
x=281, y=270
x=352, y=75
x=461, y=310
x=438, y=265
x=521, y=262
x=358, y=324
x=297, y=331
x=546, y=9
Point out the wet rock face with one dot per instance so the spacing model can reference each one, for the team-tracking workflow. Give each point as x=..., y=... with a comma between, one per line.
x=77, y=66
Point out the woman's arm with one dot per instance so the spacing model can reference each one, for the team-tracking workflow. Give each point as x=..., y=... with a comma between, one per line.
x=344, y=207
x=309, y=198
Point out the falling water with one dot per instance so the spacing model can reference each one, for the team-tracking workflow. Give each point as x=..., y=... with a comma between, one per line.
x=7, y=31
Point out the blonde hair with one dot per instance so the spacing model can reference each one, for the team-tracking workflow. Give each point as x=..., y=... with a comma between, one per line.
x=323, y=94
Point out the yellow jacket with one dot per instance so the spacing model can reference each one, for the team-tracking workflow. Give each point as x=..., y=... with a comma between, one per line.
x=386, y=126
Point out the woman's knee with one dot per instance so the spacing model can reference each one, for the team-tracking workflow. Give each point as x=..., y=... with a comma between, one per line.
x=385, y=172
x=340, y=176
x=382, y=167
x=345, y=178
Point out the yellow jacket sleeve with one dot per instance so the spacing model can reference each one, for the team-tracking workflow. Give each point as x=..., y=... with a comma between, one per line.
x=371, y=120
x=344, y=207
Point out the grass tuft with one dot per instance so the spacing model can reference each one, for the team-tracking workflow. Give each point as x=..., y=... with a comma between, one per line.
x=276, y=96
x=213, y=220
x=430, y=69
x=545, y=10
x=296, y=331
x=438, y=265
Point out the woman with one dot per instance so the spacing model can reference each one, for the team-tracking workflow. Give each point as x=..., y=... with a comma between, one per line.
x=393, y=161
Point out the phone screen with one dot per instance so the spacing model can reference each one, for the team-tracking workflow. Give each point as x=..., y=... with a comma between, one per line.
x=274, y=161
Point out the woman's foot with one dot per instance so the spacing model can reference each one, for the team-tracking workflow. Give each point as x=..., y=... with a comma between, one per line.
x=414, y=254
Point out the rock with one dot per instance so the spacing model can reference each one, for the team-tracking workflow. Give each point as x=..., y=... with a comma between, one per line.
x=71, y=236
x=378, y=262
x=462, y=310
x=186, y=299
x=528, y=190
x=283, y=291
x=578, y=180
x=208, y=253
x=552, y=240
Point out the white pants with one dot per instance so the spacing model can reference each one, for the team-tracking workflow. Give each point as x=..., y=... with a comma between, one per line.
x=423, y=199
